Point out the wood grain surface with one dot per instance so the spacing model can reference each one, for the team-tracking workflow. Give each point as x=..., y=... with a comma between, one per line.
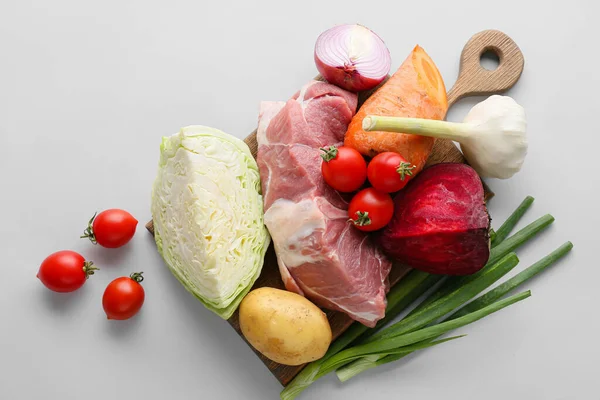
x=473, y=79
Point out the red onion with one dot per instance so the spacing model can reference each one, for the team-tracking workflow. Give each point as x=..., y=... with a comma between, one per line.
x=352, y=57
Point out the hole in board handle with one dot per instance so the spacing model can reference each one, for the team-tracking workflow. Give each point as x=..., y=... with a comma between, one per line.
x=489, y=59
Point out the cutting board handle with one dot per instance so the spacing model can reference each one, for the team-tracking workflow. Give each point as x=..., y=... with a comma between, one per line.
x=474, y=79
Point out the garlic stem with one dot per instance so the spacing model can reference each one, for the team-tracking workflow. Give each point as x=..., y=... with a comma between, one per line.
x=418, y=126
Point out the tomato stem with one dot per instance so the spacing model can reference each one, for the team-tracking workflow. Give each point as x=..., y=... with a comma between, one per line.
x=405, y=169
x=89, y=269
x=362, y=218
x=329, y=153
x=137, y=276
x=89, y=231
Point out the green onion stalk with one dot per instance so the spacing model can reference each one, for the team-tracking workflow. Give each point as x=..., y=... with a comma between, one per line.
x=413, y=286
x=488, y=298
x=457, y=291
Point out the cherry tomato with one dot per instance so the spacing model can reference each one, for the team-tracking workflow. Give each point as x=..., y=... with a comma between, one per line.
x=124, y=297
x=389, y=172
x=111, y=228
x=371, y=209
x=344, y=168
x=65, y=271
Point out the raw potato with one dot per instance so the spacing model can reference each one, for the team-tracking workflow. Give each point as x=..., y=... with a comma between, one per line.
x=284, y=326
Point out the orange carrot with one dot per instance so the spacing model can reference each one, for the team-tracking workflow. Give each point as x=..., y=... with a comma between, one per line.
x=415, y=90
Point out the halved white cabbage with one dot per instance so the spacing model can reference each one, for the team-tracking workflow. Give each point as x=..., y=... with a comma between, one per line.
x=208, y=215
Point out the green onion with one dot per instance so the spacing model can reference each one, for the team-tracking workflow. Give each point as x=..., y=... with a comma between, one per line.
x=395, y=306
x=516, y=280
x=450, y=302
x=423, y=344
x=369, y=362
x=401, y=296
x=393, y=343
x=505, y=229
x=411, y=287
x=492, y=235
x=366, y=363
x=401, y=351
x=446, y=304
x=436, y=303
x=519, y=238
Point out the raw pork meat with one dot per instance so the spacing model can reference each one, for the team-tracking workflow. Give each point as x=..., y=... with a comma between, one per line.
x=320, y=255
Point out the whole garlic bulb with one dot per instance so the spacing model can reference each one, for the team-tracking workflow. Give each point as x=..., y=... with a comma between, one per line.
x=497, y=145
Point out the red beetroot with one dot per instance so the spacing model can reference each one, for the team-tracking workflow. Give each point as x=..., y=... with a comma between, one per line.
x=440, y=224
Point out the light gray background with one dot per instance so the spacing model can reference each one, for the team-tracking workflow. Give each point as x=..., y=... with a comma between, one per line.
x=87, y=89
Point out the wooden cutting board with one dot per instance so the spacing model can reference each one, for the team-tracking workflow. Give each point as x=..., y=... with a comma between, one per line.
x=473, y=80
